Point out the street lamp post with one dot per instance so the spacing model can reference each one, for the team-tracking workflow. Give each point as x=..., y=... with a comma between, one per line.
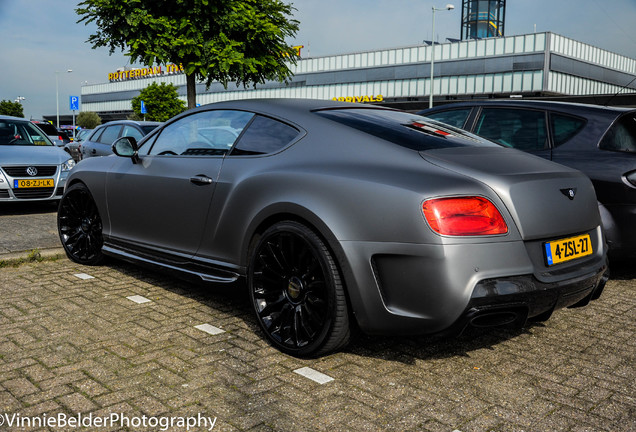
x=448, y=7
x=57, y=94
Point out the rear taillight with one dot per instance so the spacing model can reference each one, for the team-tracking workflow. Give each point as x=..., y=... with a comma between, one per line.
x=464, y=216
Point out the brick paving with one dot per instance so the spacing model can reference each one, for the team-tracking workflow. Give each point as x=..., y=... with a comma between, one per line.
x=74, y=344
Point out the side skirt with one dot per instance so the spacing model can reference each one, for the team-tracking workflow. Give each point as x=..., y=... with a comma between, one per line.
x=206, y=273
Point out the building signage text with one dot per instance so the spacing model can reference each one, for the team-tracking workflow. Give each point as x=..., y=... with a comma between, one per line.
x=359, y=99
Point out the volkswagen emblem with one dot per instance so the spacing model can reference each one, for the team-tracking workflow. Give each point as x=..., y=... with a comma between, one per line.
x=32, y=171
x=570, y=193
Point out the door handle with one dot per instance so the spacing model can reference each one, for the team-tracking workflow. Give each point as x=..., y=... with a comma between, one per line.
x=201, y=180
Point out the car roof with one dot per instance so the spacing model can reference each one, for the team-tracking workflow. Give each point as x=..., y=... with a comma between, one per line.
x=130, y=122
x=287, y=108
x=539, y=104
x=6, y=117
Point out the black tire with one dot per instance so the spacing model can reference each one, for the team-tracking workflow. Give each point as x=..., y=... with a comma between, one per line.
x=80, y=226
x=297, y=291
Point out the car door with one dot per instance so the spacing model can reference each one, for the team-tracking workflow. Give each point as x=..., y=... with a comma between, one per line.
x=230, y=211
x=162, y=201
x=522, y=129
x=106, y=140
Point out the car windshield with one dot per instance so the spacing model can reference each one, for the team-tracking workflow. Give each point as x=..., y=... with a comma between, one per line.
x=405, y=129
x=22, y=133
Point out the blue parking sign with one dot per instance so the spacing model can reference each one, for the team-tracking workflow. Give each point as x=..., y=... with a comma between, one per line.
x=73, y=102
x=143, y=107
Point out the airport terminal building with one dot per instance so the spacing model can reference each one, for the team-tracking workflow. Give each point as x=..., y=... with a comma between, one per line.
x=532, y=65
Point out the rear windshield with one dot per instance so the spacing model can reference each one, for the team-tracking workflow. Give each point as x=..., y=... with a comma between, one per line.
x=22, y=133
x=407, y=130
x=48, y=128
x=622, y=135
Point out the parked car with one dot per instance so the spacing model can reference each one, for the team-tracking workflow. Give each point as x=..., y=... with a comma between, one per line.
x=336, y=211
x=74, y=148
x=31, y=166
x=99, y=143
x=58, y=138
x=598, y=140
x=82, y=134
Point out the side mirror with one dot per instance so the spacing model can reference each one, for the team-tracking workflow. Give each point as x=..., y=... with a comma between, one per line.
x=126, y=147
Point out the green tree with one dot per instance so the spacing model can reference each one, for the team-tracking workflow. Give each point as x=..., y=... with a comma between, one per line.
x=240, y=41
x=161, y=100
x=88, y=120
x=11, y=108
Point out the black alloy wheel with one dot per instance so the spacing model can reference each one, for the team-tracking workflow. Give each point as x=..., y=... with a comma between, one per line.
x=80, y=226
x=297, y=292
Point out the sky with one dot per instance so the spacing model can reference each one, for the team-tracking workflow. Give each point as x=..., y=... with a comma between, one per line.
x=40, y=40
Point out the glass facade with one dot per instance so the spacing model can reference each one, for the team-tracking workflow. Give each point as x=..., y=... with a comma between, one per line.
x=483, y=19
x=540, y=63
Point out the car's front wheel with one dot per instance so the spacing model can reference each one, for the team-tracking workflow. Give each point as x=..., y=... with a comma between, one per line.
x=297, y=291
x=80, y=226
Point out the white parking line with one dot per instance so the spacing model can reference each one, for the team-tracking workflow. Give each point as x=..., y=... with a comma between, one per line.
x=210, y=329
x=138, y=299
x=83, y=276
x=314, y=375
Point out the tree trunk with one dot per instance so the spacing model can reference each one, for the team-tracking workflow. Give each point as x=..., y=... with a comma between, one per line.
x=191, y=86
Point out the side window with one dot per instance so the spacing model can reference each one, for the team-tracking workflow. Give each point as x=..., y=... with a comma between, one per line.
x=264, y=135
x=110, y=134
x=454, y=117
x=522, y=129
x=96, y=134
x=565, y=127
x=131, y=131
x=206, y=133
x=622, y=135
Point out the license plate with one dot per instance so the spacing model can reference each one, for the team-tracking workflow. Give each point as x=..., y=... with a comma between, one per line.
x=559, y=251
x=33, y=183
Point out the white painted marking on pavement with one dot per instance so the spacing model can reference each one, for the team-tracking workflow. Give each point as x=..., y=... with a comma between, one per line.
x=138, y=299
x=210, y=329
x=314, y=375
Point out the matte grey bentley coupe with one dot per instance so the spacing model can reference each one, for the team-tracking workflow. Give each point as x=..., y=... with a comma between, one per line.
x=340, y=213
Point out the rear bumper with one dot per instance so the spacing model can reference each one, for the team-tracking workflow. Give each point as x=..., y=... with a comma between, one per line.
x=425, y=289
x=515, y=301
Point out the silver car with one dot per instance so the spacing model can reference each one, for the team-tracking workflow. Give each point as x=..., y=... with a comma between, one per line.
x=31, y=167
x=338, y=213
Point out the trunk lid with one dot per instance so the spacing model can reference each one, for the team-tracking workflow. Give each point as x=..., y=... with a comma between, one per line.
x=536, y=192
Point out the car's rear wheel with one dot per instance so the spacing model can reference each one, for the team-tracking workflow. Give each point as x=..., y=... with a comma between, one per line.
x=297, y=291
x=80, y=226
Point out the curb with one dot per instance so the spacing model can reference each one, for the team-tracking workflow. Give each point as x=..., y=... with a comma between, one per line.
x=35, y=254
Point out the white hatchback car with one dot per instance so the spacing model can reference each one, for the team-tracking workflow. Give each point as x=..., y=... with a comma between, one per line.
x=32, y=168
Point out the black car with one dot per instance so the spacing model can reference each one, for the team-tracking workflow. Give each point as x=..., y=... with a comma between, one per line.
x=598, y=140
x=100, y=141
x=58, y=138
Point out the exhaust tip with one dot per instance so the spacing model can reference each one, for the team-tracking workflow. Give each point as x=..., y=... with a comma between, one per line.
x=494, y=319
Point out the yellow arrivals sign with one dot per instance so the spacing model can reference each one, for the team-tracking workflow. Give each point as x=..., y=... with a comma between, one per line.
x=359, y=99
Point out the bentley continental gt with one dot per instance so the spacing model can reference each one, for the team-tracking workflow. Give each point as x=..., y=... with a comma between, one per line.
x=342, y=214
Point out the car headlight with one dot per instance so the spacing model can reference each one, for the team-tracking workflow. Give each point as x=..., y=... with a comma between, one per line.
x=68, y=165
